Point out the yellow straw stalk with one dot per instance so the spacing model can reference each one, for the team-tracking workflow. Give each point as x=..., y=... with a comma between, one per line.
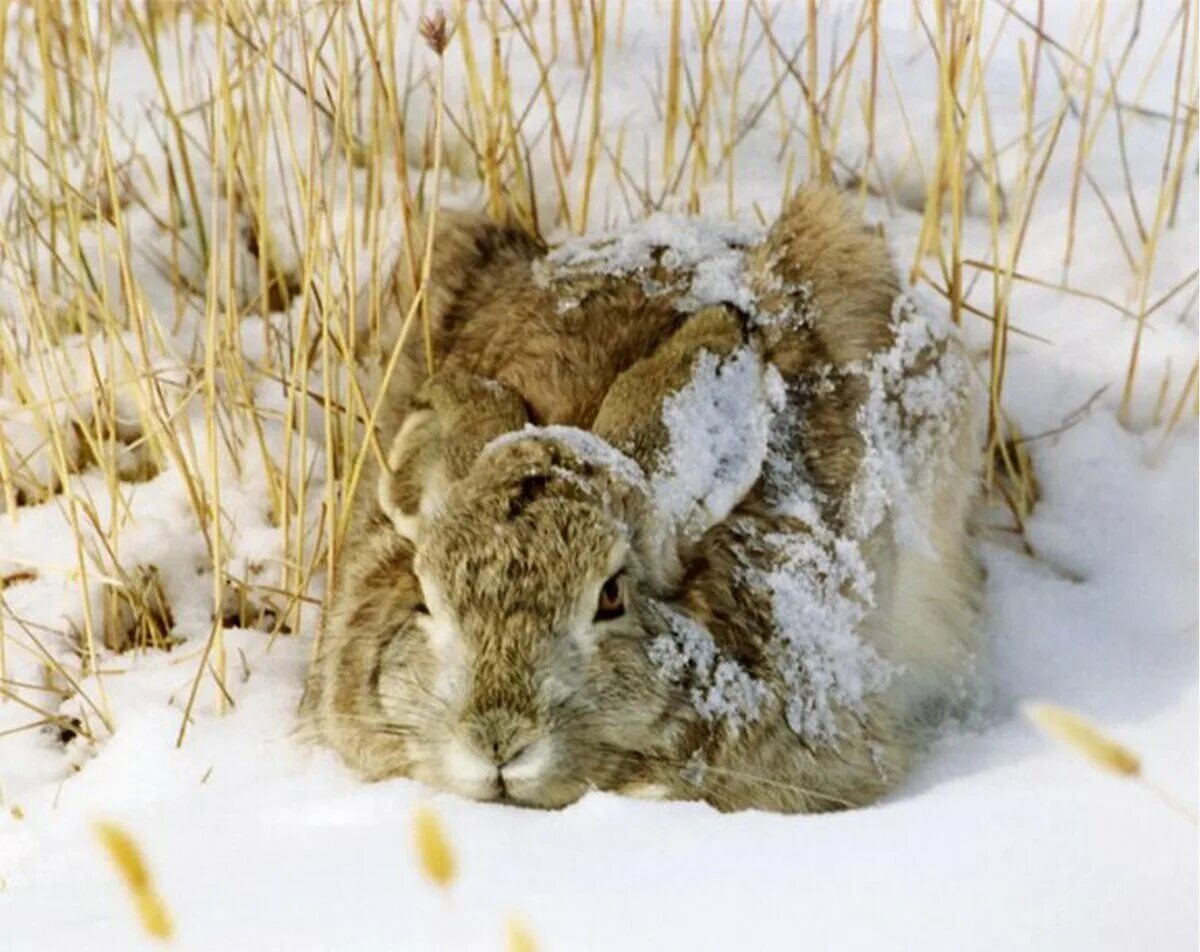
x=127, y=857
x=433, y=849
x=1069, y=728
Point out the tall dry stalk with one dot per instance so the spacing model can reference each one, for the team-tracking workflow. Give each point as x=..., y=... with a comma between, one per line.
x=288, y=182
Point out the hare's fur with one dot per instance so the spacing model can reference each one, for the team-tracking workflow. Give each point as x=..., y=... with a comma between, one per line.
x=460, y=645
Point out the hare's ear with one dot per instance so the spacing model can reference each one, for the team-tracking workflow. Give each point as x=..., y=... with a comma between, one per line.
x=454, y=416
x=824, y=268
x=412, y=481
x=695, y=415
x=631, y=416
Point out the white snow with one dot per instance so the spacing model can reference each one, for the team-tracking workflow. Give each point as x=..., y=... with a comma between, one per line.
x=1000, y=839
x=705, y=258
x=820, y=590
x=718, y=427
x=586, y=446
x=721, y=688
x=901, y=459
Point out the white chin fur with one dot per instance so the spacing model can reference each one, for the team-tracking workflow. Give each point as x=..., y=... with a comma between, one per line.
x=529, y=768
x=646, y=791
x=472, y=775
x=466, y=772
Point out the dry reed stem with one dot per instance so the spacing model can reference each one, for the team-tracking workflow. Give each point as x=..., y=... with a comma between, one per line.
x=434, y=853
x=127, y=857
x=1070, y=728
x=674, y=76
x=518, y=937
x=1075, y=731
x=339, y=66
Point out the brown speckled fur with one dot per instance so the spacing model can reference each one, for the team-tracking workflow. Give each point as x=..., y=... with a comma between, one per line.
x=461, y=629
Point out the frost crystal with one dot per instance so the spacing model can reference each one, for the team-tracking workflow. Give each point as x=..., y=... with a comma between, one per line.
x=586, y=446
x=708, y=259
x=821, y=589
x=718, y=427
x=720, y=687
x=916, y=389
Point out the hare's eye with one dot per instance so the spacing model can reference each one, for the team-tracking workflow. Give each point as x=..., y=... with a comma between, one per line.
x=420, y=609
x=611, y=603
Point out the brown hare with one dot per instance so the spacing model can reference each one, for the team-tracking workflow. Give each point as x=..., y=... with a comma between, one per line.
x=682, y=513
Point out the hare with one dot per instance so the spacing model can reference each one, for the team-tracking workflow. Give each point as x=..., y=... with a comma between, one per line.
x=683, y=513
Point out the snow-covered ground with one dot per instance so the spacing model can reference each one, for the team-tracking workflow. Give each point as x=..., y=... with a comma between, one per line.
x=1000, y=839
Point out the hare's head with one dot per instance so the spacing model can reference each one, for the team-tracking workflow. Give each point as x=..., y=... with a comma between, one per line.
x=492, y=634
x=514, y=664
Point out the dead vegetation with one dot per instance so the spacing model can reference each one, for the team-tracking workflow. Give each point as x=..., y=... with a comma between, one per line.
x=188, y=290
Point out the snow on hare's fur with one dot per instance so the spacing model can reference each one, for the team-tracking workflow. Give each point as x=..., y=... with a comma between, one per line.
x=682, y=513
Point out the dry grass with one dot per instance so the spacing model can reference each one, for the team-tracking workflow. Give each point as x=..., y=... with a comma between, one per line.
x=519, y=938
x=134, y=872
x=124, y=358
x=433, y=849
x=434, y=854
x=1074, y=730
x=1069, y=728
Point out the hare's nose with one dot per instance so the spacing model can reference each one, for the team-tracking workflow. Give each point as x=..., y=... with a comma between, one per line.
x=506, y=748
x=503, y=739
x=502, y=755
